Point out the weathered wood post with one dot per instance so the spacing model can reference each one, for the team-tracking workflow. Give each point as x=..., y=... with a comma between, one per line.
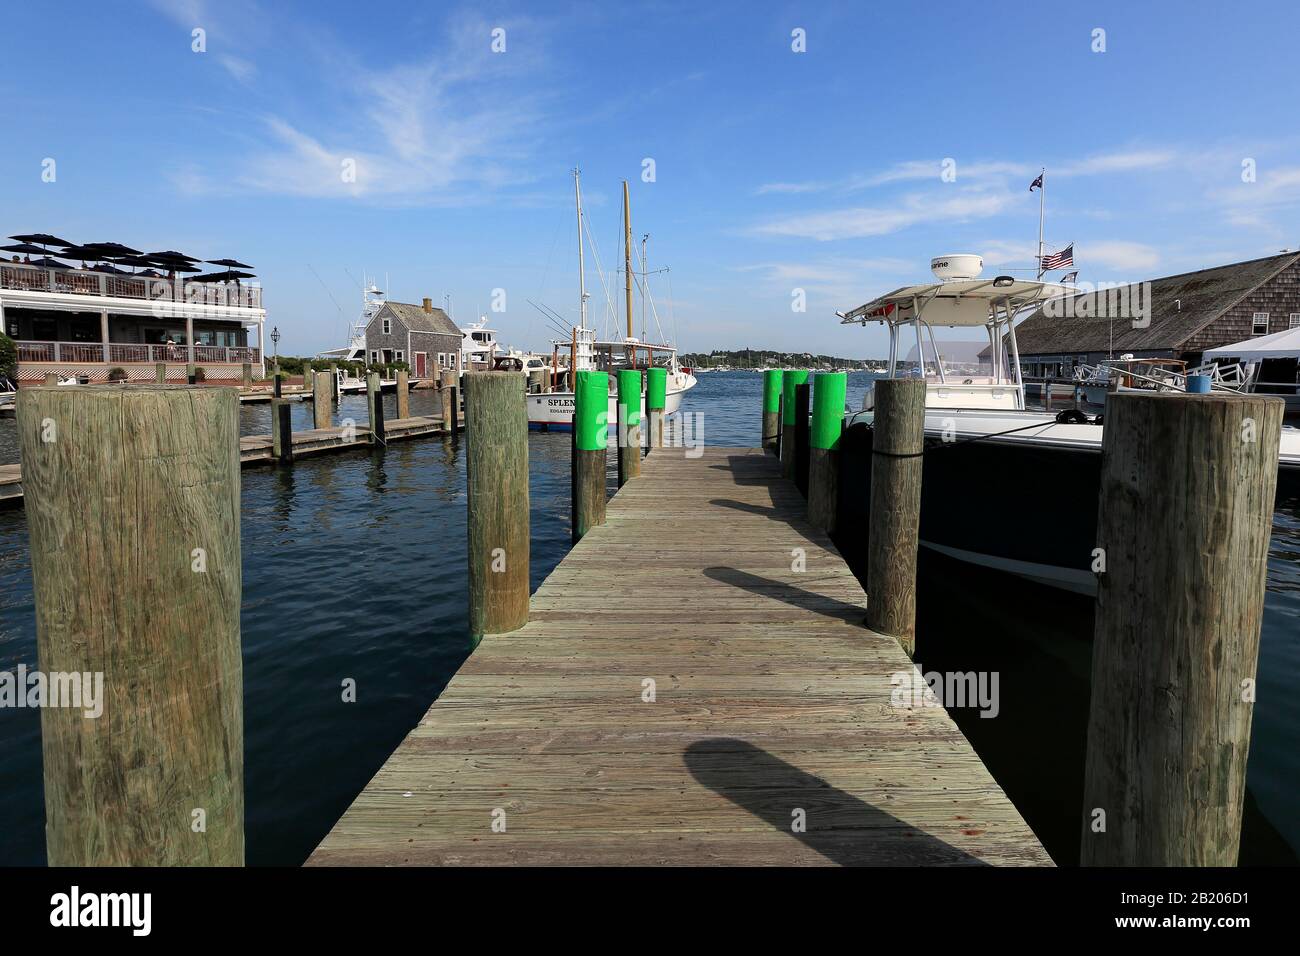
x=496, y=466
x=322, y=393
x=789, y=380
x=160, y=373
x=629, y=425
x=1183, y=524
x=191, y=375
x=281, y=431
x=448, y=410
x=247, y=372
x=51, y=378
x=536, y=381
x=823, y=455
x=771, y=409
x=590, y=440
x=335, y=392
x=375, y=408
x=802, y=400
x=277, y=383
x=656, y=400
x=403, y=394
x=132, y=499
x=897, y=447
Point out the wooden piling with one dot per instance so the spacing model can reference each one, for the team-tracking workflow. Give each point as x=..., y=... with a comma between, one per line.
x=445, y=394
x=772, y=409
x=247, y=373
x=790, y=379
x=403, y=394
x=160, y=373
x=590, y=440
x=334, y=383
x=322, y=391
x=629, y=425
x=132, y=498
x=51, y=378
x=191, y=375
x=1183, y=525
x=496, y=465
x=281, y=431
x=823, y=453
x=375, y=407
x=897, y=446
x=802, y=401
x=656, y=401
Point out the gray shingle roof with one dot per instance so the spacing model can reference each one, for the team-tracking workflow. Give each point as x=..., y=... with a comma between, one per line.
x=415, y=318
x=1181, y=306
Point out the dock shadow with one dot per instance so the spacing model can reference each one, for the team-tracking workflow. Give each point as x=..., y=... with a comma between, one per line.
x=787, y=592
x=771, y=513
x=844, y=829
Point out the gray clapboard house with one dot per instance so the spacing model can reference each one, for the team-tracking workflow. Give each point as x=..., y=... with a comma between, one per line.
x=1189, y=313
x=423, y=337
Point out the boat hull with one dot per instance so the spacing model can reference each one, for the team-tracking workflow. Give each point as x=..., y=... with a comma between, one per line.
x=553, y=411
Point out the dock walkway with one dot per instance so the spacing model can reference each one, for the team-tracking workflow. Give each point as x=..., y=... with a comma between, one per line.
x=771, y=705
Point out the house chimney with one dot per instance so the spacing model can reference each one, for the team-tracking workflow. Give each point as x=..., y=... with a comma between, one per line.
x=428, y=304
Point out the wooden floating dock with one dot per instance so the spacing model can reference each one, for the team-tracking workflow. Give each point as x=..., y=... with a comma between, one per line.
x=771, y=699
x=257, y=449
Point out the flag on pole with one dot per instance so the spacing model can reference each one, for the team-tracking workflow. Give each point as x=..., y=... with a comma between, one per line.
x=1058, y=260
x=1037, y=183
x=1070, y=276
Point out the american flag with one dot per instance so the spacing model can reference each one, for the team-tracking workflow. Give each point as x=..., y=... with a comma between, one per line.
x=1058, y=260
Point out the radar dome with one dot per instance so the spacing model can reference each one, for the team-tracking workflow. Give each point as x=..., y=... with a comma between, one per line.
x=962, y=266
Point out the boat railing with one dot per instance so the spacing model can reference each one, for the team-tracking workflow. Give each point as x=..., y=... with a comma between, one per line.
x=28, y=278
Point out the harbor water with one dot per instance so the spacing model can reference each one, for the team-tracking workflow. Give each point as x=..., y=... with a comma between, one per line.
x=355, y=568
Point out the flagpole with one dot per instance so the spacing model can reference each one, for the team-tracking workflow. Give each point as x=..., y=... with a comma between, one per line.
x=1042, y=193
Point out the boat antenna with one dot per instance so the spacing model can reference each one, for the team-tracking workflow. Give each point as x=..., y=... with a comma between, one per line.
x=582, y=276
x=627, y=255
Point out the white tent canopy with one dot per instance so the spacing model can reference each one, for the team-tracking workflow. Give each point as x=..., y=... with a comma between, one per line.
x=1285, y=344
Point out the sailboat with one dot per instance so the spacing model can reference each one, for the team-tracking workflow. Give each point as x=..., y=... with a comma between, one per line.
x=554, y=410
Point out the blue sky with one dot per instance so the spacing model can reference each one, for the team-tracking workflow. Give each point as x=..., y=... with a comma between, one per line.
x=774, y=170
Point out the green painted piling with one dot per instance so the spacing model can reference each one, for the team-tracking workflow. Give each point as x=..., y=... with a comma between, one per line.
x=772, y=408
x=789, y=381
x=829, y=392
x=629, y=425
x=590, y=439
x=656, y=400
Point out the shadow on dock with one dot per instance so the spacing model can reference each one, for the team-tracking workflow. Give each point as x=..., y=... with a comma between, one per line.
x=784, y=591
x=837, y=825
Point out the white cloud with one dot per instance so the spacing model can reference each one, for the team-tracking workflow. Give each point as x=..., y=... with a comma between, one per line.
x=878, y=221
x=1117, y=254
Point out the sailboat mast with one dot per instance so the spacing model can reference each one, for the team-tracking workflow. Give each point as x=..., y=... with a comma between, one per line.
x=627, y=255
x=582, y=275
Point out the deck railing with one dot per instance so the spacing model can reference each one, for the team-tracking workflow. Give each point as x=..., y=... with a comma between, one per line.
x=126, y=353
x=28, y=278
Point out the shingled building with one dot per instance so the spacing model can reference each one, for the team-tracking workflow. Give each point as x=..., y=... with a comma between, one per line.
x=1188, y=314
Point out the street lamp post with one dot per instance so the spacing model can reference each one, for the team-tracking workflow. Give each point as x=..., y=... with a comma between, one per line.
x=275, y=346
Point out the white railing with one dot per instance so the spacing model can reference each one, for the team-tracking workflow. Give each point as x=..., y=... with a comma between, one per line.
x=125, y=353
x=28, y=278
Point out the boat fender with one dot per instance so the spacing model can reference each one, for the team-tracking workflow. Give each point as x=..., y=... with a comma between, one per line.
x=1072, y=416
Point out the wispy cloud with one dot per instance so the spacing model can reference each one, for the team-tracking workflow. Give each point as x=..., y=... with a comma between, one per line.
x=1117, y=254
x=864, y=221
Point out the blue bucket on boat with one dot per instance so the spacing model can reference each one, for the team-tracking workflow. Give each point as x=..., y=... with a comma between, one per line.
x=1198, y=384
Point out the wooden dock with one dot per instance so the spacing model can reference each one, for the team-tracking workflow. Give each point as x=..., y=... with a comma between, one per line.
x=771, y=704
x=257, y=449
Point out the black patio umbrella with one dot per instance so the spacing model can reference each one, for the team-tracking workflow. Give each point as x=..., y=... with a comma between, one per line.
x=111, y=249
x=228, y=276
x=174, y=255
x=229, y=263
x=111, y=270
x=42, y=239
x=82, y=254
x=49, y=264
x=26, y=249
x=177, y=266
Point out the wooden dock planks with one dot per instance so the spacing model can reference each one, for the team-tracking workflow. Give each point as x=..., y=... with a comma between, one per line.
x=770, y=698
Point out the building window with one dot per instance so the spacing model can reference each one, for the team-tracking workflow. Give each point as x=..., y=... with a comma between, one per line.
x=401, y=356
x=1293, y=322
x=374, y=356
x=388, y=325
x=442, y=359
x=1260, y=323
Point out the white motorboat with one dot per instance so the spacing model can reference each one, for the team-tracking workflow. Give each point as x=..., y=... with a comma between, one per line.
x=981, y=441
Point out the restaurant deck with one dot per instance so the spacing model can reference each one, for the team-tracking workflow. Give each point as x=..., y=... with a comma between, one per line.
x=682, y=695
